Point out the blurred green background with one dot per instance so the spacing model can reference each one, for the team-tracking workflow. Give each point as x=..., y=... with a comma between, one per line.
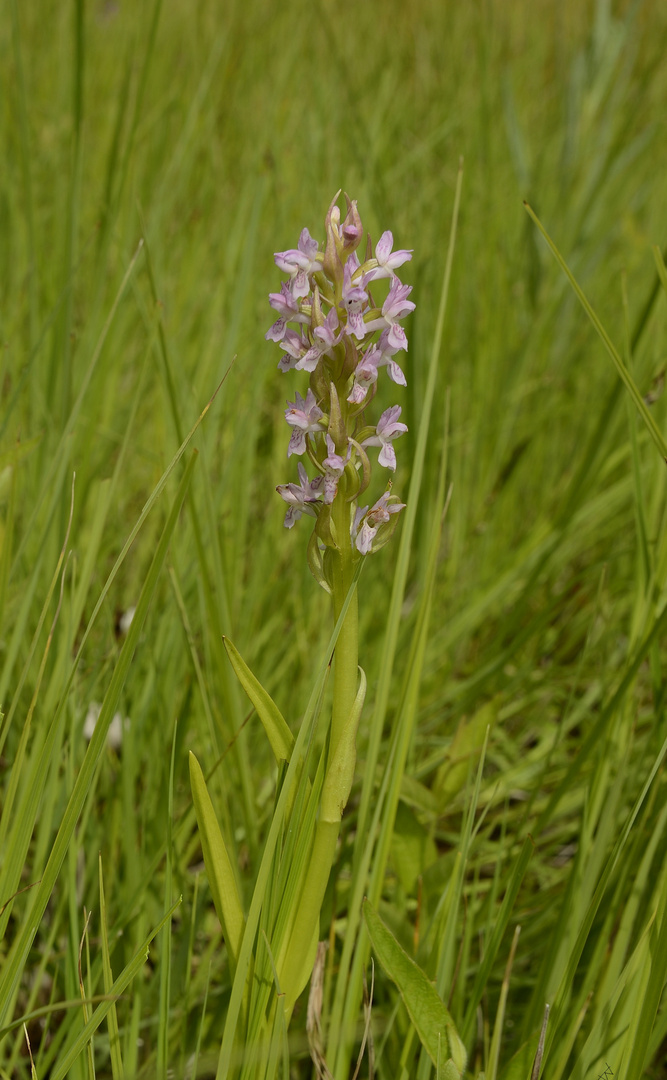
x=214, y=133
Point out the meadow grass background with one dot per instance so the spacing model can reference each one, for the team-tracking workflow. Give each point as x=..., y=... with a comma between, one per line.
x=214, y=133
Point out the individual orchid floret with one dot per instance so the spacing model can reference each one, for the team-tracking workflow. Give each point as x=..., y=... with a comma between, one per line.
x=300, y=497
x=326, y=339
x=387, y=430
x=355, y=299
x=299, y=263
x=365, y=375
x=287, y=306
x=335, y=465
x=387, y=351
x=366, y=372
x=304, y=417
x=367, y=522
x=386, y=260
x=295, y=346
x=395, y=307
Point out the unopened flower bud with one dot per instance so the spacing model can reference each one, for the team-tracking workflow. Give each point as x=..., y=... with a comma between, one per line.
x=336, y=429
x=352, y=230
x=332, y=265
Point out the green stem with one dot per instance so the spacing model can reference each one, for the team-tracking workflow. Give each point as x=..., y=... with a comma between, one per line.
x=296, y=969
x=346, y=656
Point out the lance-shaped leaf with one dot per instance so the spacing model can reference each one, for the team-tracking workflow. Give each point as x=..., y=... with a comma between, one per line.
x=218, y=865
x=273, y=721
x=431, y=1019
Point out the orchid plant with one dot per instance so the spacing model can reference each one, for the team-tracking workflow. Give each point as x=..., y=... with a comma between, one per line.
x=331, y=327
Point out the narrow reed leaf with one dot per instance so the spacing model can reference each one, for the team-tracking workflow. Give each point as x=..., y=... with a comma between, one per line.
x=494, y=1052
x=622, y=370
x=492, y=946
x=23, y=941
x=431, y=1019
x=651, y=983
x=218, y=866
x=660, y=266
x=67, y=1059
x=117, y=1070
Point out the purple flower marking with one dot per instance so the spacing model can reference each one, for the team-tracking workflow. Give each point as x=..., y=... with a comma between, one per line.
x=370, y=521
x=304, y=417
x=387, y=430
x=325, y=340
x=334, y=465
x=300, y=497
x=355, y=299
x=387, y=261
x=299, y=263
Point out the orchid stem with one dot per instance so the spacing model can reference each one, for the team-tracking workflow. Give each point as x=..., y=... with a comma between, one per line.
x=346, y=656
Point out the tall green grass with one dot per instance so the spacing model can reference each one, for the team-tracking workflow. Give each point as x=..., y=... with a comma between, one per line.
x=511, y=752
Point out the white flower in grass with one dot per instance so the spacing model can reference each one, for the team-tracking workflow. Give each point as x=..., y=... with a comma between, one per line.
x=116, y=727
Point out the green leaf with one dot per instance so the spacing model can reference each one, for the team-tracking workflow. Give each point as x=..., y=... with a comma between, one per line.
x=218, y=865
x=464, y=752
x=412, y=849
x=117, y=1070
x=273, y=721
x=431, y=1019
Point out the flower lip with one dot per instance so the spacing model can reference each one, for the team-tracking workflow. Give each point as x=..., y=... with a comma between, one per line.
x=388, y=429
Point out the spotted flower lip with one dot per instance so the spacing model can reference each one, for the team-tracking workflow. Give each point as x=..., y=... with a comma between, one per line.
x=388, y=429
x=304, y=416
x=301, y=497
